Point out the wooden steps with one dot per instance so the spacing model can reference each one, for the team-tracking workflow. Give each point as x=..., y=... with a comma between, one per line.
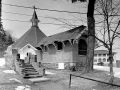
x=29, y=71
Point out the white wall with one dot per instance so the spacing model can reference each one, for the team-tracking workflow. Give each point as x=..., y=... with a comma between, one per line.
x=39, y=55
x=23, y=52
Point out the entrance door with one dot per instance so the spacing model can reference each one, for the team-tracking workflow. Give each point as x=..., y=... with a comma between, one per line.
x=28, y=58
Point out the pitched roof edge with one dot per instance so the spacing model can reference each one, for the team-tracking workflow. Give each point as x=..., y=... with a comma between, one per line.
x=27, y=45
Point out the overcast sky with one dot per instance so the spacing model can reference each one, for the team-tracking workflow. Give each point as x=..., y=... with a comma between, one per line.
x=19, y=28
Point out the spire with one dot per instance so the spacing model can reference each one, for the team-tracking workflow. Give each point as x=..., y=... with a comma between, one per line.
x=34, y=18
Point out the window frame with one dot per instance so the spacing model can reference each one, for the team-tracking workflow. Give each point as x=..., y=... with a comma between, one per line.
x=59, y=48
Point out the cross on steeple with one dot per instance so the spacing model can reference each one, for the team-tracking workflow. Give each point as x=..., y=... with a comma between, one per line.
x=34, y=19
x=34, y=7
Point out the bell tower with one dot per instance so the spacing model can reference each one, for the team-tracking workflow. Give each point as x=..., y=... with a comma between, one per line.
x=34, y=18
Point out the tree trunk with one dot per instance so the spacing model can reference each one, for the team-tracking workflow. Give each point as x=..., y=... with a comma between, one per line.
x=91, y=38
x=0, y=14
x=111, y=66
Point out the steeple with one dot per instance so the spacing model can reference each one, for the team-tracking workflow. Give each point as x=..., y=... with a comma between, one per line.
x=34, y=18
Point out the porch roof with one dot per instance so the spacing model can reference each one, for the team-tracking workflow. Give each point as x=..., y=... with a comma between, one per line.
x=67, y=35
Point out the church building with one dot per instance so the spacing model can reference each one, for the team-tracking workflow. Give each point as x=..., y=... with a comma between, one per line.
x=59, y=51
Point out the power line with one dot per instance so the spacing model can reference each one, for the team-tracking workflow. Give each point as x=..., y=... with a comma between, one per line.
x=15, y=20
x=29, y=21
x=53, y=10
x=17, y=6
x=43, y=9
x=97, y=22
x=16, y=13
x=45, y=23
x=38, y=16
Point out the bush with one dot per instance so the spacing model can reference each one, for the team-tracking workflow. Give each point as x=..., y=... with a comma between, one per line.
x=101, y=63
x=10, y=61
x=72, y=68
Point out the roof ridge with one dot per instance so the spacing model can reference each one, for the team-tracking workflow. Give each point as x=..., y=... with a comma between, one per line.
x=71, y=34
x=21, y=38
x=68, y=30
x=36, y=34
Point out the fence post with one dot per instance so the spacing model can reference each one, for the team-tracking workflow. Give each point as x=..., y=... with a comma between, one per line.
x=70, y=81
x=44, y=72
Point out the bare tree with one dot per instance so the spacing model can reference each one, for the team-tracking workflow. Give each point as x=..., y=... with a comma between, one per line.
x=109, y=11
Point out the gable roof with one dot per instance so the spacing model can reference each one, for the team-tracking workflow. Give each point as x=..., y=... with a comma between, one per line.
x=33, y=36
x=67, y=35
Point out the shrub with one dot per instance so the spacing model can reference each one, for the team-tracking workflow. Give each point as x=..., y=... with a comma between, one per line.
x=10, y=61
x=101, y=63
x=72, y=68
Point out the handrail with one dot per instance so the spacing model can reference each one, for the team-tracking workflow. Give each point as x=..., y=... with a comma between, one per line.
x=34, y=64
x=90, y=79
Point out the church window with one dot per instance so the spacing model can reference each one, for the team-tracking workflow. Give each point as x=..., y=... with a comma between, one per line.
x=82, y=47
x=59, y=45
x=35, y=58
x=45, y=49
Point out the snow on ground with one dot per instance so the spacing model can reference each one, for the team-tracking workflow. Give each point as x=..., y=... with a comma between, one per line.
x=39, y=79
x=2, y=62
x=9, y=71
x=46, y=72
x=105, y=68
x=14, y=79
x=23, y=88
x=117, y=74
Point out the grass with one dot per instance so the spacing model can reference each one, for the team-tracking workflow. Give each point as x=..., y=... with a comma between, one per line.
x=62, y=77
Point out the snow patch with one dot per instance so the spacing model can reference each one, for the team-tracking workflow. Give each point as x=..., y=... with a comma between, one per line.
x=46, y=72
x=118, y=73
x=39, y=79
x=23, y=88
x=2, y=62
x=14, y=79
x=9, y=71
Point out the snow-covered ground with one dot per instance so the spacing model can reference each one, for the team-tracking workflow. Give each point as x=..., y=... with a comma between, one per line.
x=2, y=62
x=9, y=71
x=23, y=88
x=47, y=72
x=105, y=68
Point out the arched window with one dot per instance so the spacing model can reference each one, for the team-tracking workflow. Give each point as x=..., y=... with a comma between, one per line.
x=45, y=48
x=99, y=60
x=104, y=59
x=95, y=60
x=82, y=47
x=59, y=45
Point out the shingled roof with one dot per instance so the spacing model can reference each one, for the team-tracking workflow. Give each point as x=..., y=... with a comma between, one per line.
x=33, y=36
x=67, y=35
